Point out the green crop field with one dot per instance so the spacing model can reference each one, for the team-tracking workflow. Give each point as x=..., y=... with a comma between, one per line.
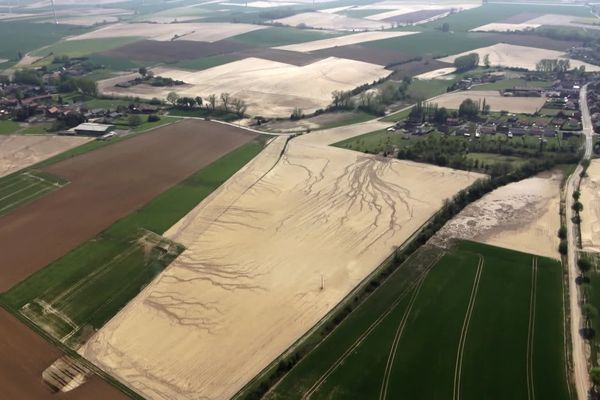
x=480, y=323
x=199, y=64
x=21, y=188
x=489, y=13
x=433, y=43
x=89, y=285
x=279, y=36
x=28, y=36
x=79, y=48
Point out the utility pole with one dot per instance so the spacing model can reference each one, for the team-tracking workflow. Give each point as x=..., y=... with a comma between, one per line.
x=54, y=12
x=322, y=282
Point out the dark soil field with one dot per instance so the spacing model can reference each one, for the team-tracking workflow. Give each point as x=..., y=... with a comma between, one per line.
x=413, y=68
x=531, y=40
x=25, y=355
x=106, y=185
x=170, y=52
x=284, y=56
x=372, y=55
x=414, y=17
x=521, y=18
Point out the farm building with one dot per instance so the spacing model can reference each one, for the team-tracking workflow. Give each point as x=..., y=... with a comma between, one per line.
x=92, y=129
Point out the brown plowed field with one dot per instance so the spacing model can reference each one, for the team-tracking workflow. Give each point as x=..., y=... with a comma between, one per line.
x=366, y=54
x=106, y=185
x=414, y=17
x=413, y=68
x=521, y=18
x=283, y=56
x=25, y=355
x=169, y=52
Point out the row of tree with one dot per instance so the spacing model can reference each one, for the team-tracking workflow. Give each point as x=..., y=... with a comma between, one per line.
x=213, y=103
x=371, y=101
x=552, y=65
x=466, y=62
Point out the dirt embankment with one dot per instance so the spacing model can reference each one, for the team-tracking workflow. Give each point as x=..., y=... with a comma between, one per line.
x=105, y=185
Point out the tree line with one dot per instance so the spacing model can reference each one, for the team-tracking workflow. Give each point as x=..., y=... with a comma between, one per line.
x=223, y=103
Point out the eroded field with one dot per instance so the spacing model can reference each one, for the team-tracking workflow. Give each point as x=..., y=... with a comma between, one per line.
x=269, y=88
x=509, y=55
x=590, y=198
x=20, y=151
x=268, y=255
x=494, y=99
x=106, y=185
x=522, y=216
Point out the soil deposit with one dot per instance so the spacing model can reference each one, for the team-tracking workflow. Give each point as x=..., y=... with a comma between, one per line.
x=522, y=216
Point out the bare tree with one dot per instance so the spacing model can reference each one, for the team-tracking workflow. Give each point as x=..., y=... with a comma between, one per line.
x=225, y=101
x=239, y=106
x=212, y=101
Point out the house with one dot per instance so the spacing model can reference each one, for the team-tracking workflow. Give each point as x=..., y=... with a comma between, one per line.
x=518, y=131
x=92, y=129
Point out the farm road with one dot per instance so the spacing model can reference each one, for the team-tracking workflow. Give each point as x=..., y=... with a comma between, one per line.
x=580, y=370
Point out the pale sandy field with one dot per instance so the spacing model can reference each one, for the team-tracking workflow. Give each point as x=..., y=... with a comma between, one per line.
x=522, y=216
x=496, y=101
x=590, y=217
x=201, y=31
x=406, y=8
x=20, y=151
x=563, y=20
x=270, y=88
x=43, y=4
x=333, y=21
x=412, y=6
x=442, y=73
x=343, y=41
x=500, y=27
x=249, y=284
x=86, y=21
x=508, y=55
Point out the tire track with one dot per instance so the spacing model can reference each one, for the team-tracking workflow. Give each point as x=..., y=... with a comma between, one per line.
x=531, y=330
x=369, y=330
x=392, y=355
x=465, y=330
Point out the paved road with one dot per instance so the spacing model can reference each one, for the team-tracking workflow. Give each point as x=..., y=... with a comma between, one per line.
x=580, y=372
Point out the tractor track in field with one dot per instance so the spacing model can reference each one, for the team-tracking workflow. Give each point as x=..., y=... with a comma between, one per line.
x=531, y=330
x=393, y=349
x=370, y=329
x=465, y=330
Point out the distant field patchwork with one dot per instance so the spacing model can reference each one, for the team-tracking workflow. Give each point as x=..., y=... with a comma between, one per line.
x=480, y=323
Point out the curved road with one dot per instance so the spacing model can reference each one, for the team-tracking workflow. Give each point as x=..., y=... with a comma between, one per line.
x=580, y=370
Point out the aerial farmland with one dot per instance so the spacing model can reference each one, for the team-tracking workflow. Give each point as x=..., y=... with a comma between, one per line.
x=299, y=199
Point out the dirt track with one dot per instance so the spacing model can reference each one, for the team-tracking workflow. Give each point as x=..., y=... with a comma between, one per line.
x=106, y=185
x=25, y=356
